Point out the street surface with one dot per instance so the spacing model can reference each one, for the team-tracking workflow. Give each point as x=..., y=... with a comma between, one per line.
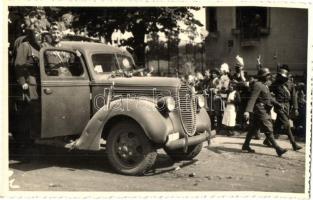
x=221, y=167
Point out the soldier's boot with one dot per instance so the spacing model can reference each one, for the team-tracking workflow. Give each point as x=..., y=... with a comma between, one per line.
x=267, y=143
x=246, y=144
x=280, y=151
x=295, y=146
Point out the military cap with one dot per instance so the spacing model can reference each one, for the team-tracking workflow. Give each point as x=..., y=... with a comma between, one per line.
x=264, y=72
x=215, y=70
x=284, y=66
x=283, y=72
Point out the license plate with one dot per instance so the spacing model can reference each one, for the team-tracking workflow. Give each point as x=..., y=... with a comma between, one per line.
x=173, y=136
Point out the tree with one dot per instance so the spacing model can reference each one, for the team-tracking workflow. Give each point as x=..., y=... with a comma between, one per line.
x=140, y=21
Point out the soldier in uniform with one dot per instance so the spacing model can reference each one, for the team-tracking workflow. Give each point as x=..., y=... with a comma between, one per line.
x=56, y=61
x=259, y=106
x=283, y=97
x=26, y=74
x=292, y=88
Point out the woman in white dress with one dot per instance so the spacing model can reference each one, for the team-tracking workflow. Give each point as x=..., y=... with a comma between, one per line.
x=229, y=117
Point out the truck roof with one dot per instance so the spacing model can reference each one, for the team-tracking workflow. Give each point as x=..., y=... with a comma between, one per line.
x=90, y=47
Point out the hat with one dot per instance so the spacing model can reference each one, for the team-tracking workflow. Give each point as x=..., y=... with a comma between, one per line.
x=284, y=66
x=283, y=72
x=67, y=16
x=215, y=70
x=40, y=10
x=32, y=14
x=263, y=72
x=225, y=67
x=239, y=61
x=55, y=26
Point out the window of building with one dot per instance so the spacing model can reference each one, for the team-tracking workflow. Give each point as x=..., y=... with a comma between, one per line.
x=252, y=22
x=211, y=20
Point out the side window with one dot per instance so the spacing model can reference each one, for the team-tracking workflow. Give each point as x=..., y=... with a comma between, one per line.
x=61, y=63
x=104, y=63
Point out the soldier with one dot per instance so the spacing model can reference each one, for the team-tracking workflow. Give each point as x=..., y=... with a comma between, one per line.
x=283, y=97
x=44, y=24
x=25, y=65
x=292, y=89
x=259, y=106
x=56, y=60
x=26, y=72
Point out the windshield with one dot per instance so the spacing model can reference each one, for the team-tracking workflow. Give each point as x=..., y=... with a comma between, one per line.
x=106, y=63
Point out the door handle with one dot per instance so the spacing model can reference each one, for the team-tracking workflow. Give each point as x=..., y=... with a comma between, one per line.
x=47, y=91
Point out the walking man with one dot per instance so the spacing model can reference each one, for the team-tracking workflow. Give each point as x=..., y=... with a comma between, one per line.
x=283, y=97
x=259, y=106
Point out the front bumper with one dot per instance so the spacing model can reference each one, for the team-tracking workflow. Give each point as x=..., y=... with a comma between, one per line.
x=194, y=140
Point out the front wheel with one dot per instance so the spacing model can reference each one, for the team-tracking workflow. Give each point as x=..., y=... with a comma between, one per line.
x=129, y=150
x=179, y=154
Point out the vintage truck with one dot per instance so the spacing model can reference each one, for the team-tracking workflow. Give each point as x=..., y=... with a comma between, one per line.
x=103, y=97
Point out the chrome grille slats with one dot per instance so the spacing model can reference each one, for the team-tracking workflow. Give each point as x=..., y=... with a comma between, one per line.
x=187, y=109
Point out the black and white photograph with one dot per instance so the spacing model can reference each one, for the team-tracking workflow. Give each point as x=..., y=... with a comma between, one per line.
x=158, y=98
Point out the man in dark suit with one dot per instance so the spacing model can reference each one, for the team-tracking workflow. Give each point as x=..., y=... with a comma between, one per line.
x=259, y=106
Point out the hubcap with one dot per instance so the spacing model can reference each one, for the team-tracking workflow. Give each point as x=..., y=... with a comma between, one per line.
x=129, y=149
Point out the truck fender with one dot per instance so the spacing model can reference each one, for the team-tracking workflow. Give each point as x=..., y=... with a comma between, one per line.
x=91, y=135
x=155, y=125
x=144, y=112
x=203, y=121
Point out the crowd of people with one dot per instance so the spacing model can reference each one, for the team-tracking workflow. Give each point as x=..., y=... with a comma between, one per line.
x=272, y=104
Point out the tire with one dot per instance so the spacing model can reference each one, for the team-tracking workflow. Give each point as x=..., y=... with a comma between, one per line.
x=129, y=150
x=179, y=154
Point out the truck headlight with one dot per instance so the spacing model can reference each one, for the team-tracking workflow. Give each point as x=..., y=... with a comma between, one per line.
x=166, y=103
x=200, y=101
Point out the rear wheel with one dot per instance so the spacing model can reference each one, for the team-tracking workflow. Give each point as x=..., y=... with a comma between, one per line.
x=129, y=150
x=179, y=154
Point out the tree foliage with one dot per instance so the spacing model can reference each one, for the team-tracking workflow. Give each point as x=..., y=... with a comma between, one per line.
x=103, y=20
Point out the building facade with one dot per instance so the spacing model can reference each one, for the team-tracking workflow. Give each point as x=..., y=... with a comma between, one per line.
x=279, y=35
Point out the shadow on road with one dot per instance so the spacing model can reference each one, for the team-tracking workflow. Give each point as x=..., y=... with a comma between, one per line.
x=39, y=157
x=43, y=156
x=156, y=170
x=220, y=150
x=259, y=145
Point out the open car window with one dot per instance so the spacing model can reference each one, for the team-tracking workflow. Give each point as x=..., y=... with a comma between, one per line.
x=60, y=63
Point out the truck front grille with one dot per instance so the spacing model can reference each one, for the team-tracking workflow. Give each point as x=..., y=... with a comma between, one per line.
x=187, y=109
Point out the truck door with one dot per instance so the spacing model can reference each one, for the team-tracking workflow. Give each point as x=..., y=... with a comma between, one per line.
x=65, y=93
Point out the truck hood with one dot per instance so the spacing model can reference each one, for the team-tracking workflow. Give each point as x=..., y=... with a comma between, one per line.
x=142, y=81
